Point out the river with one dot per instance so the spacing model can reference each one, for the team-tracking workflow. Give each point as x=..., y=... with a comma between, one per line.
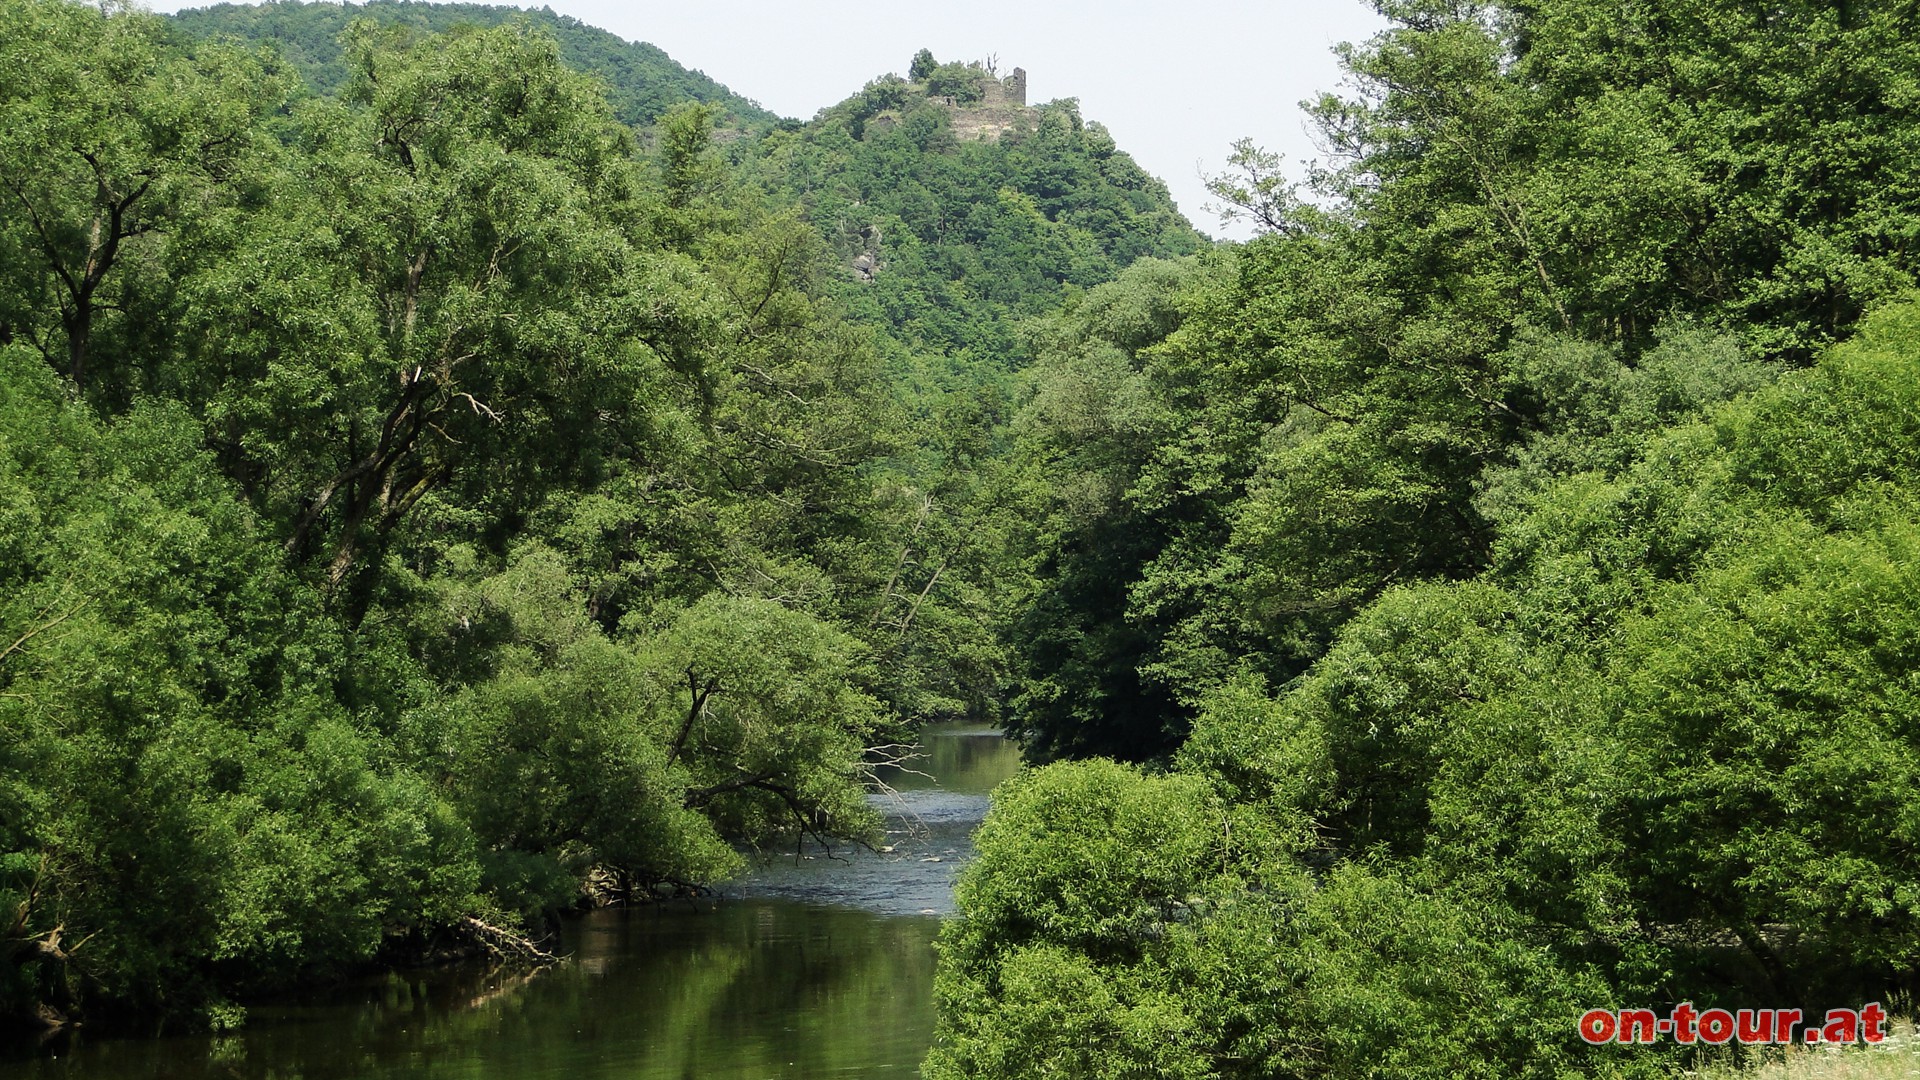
x=816, y=966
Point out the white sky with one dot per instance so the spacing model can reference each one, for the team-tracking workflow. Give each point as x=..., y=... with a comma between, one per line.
x=1176, y=82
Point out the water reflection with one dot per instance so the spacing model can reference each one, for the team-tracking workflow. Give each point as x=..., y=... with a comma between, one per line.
x=751, y=988
x=815, y=967
x=967, y=759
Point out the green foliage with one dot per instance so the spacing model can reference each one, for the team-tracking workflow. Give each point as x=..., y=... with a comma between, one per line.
x=1545, y=212
x=1092, y=416
x=1606, y=158
x=1595, y=413
x=642, y=82
x=953, y=244
x=772, y=726
x=963, y=83
x=1701, y=709
x=968, y=235
x=1049, y=208
x=1659, y=750
x=1086, y=855
x=482, y=185
x=641, y=755
x=1109, y=930
x=923, y=66
x=1545, y=645
x=109, y=139
x=181, y=788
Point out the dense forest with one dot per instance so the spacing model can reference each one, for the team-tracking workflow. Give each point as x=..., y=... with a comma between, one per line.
x=455, y=464
x=1496, y=581
x=440, y=480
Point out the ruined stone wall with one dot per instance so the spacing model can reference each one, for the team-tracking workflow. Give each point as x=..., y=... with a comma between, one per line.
x=1011, y=90
x=1002, y=108
x=984, y=122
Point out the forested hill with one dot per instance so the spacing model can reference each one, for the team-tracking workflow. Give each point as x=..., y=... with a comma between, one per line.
x=642, y=81
x=960, y=207
x=968, y=209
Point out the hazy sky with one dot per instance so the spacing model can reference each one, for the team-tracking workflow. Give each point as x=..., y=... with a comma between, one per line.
x=1176, y=81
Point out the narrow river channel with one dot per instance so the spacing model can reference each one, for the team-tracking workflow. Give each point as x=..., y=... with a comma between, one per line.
x=816, y=966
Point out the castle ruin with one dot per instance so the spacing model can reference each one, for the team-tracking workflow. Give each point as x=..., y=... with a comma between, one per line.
x=1002, y=108
x=1011, y=90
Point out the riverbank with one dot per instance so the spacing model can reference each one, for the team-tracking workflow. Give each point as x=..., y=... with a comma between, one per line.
x=813, y=964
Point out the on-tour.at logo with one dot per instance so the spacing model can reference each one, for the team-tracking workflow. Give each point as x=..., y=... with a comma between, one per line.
x=1687, y=1025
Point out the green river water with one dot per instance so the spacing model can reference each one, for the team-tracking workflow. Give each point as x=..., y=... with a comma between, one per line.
x=816, y=966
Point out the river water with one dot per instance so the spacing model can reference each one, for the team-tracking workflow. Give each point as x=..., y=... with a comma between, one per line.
x=819, y=965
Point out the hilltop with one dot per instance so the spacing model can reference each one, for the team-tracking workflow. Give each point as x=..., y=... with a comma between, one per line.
x=964, y=208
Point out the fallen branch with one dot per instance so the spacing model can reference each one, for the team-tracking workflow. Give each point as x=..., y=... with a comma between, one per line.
x=509, y=944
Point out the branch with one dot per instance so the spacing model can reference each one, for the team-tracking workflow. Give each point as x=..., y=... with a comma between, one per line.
x=907, y=623
x=385, y=454
x=397, y=508
x=24, y=913
x=46, y=241
x=45, y=947
x=21, y=641
x=809, y=821
x=891, y=755
x=414, y=271
x=508, y=944
x=773, y=289
x=479, y=408
x=699, y=695
x=699, y=797
x=1513, y=215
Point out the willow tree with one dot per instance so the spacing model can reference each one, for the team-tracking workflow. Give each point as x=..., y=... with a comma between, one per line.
x=106, y=139
x=446, y=293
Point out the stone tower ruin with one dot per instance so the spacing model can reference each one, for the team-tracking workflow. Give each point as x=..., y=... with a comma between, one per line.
x=1011, y=90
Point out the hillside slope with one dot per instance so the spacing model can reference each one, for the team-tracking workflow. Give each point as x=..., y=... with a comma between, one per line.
x=642, y=81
